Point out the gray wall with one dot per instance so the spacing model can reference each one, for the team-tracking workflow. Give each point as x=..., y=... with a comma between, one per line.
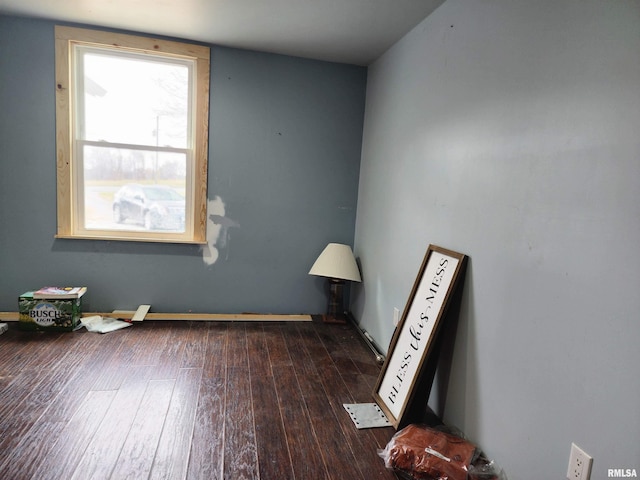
x=509, y=131
x=284, y=154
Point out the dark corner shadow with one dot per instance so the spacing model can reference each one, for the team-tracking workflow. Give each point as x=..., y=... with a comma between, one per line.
x=355, y=294
x=459, y=308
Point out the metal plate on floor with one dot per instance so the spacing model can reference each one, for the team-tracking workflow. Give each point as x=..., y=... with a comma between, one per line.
x=366, y=415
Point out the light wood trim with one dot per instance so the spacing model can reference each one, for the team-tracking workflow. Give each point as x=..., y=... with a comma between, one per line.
x=201, y=149
x=132, y=236
x=66, y=221
x=242, y=317
x=129, y=42
x=63, y=137
x=233, y=317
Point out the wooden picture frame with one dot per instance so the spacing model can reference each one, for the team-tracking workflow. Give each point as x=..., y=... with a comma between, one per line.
x=414, y=339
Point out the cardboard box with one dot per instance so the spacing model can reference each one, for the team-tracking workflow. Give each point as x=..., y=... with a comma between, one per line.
x=53, y=315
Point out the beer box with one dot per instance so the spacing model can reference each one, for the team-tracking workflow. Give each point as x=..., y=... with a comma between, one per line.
x=55, y=315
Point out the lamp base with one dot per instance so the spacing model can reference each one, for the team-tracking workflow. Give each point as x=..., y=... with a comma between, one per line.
x=335, y=311
x=341, y=320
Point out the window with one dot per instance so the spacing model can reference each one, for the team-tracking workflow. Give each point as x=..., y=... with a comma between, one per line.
x=131, y=127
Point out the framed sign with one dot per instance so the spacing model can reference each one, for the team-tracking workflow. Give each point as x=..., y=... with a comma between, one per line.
x=414, y=338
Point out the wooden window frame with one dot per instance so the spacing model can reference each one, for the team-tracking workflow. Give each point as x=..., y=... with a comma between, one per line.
x=68, y=225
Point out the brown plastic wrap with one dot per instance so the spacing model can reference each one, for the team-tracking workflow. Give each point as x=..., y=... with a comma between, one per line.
x=423, y=453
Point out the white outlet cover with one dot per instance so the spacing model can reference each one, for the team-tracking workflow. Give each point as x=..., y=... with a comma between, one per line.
x=579, y=464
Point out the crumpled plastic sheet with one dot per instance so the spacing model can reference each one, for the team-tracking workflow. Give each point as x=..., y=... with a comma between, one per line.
x=99, y=324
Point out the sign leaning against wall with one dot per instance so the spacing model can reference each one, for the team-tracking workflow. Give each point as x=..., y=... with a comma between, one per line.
x=415, y=336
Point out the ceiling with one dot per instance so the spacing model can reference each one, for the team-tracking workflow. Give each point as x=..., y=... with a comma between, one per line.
x=346, y=31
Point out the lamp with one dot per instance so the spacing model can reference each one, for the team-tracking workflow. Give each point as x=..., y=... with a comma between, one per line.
x=337, y=263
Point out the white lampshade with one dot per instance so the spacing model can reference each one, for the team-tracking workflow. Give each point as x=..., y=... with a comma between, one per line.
x=336, y=261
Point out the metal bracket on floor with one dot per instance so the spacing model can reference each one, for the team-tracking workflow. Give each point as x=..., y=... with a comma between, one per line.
x=366, y=415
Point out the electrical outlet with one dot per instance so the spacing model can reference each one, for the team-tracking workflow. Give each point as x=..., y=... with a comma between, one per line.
x=579, y=464
x=396, y=316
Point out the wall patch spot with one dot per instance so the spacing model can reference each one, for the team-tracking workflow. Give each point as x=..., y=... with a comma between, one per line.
x=217, y=230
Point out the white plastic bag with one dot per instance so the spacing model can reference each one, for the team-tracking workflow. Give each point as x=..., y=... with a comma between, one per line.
x=100, y=324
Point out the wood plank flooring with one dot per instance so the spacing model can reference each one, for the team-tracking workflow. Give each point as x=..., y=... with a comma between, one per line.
x=188, y=400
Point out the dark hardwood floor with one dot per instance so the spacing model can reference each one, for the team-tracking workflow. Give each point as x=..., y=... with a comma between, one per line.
x=188, y=400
